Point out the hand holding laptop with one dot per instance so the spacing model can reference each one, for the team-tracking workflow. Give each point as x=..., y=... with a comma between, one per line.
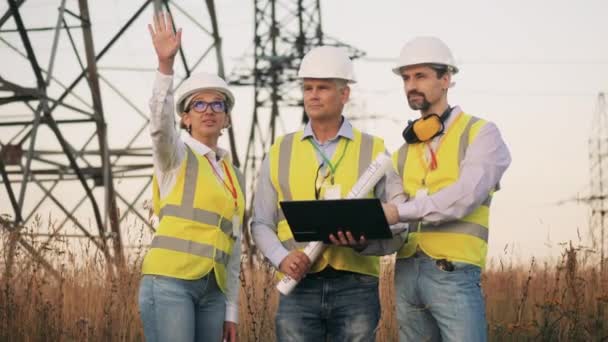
x=346, y=238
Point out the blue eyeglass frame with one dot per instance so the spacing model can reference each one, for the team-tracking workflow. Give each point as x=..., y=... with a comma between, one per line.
x=200, y=106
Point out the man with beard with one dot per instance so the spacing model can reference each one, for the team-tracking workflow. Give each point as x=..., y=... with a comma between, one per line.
x=451, y=165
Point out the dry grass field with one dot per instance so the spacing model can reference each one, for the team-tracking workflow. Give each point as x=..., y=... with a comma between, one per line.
x=561, y=301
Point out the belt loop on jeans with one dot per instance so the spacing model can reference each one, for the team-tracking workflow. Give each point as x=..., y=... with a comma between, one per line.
x=419, y=253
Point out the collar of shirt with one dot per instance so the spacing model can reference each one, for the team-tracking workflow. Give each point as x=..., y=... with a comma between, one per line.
x=446, y=125
x=453, y=115
x=434, y=144
x=346, y=131
x=204, y=150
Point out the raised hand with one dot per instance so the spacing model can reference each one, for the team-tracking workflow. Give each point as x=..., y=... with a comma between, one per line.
x=166, y=42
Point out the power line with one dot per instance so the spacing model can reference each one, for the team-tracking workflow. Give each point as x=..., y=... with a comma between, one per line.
x=598, y=172
x=377, y=59
x=491, y=92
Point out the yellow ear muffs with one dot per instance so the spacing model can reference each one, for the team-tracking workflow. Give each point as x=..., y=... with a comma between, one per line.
x=423, y=129
x=428, y=127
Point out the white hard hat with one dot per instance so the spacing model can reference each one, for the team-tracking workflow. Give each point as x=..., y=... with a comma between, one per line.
x=327, y=62
x=425, y=50
x=199, y=82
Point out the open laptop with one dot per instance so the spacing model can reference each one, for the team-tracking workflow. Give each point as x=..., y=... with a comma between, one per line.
x=314, y=220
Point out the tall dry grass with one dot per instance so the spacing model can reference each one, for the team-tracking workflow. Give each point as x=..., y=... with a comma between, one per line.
x=562, y=301
x=566, y=301
x=83, y=305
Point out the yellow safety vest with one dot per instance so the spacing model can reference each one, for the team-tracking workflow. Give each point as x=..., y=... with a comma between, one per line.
x=195, y=233
x=466, y=239
x=293, y=168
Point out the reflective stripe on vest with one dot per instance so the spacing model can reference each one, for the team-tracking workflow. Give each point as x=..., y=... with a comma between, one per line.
x=190, y=247
x=459, y=227
x=198, y=215
x=366, y=153
x=285, y=166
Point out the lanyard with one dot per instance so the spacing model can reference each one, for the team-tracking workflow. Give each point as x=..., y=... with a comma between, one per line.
x=432, y=163
x=231, y=188
x=332, y=168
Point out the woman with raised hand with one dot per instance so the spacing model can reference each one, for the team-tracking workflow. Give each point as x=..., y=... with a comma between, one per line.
x=190, y=284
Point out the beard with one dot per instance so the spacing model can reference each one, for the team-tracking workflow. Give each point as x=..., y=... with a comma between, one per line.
x=423, y=106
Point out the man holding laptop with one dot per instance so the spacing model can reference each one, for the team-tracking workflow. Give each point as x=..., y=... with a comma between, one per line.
x=338, y=298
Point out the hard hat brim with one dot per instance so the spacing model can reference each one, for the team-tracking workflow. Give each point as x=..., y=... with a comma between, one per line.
x=451, y=68
x=349, y=81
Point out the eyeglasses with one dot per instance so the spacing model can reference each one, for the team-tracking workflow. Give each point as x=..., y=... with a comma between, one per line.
x=200, y=106
x=319, y=182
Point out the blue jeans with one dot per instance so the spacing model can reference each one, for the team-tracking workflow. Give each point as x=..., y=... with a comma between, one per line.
x=439, y=305
x=179, y=310
x=342, y=308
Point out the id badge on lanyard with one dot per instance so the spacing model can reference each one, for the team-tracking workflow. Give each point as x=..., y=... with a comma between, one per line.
x=332, y=192
x=236, y=226
x=422, y=192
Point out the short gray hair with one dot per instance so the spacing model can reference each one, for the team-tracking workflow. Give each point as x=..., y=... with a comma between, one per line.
x=340, y=83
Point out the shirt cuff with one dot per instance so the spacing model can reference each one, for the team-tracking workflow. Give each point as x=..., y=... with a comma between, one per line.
x=232, y=313
x=399, y=228
x=408, y=211
x=163, y=83
x=277, y=256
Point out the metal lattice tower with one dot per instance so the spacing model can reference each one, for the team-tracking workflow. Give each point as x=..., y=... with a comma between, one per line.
x=598, y=158
x=73, y=138
x=284, y=31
